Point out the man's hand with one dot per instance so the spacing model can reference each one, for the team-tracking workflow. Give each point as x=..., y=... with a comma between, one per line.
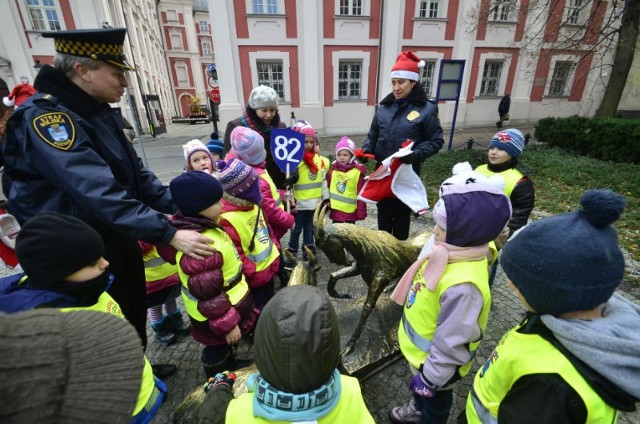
x=233, y=336
x=192, y=243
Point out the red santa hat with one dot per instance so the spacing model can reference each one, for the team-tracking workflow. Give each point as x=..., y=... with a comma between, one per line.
x=407, y=66
x=18, y=95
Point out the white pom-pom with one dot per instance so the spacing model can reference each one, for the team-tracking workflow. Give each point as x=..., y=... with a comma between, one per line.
x=497, y=182
x=461, y=167
x=8, y=102
x=421, y=64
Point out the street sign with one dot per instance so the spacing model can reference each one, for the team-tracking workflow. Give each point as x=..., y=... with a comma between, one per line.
x=287, y=147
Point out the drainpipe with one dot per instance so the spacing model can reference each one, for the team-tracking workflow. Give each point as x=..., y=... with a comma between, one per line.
x=379, y=54
x=166, y=63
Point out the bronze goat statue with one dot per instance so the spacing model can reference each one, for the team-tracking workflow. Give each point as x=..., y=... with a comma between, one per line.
x=379, y=257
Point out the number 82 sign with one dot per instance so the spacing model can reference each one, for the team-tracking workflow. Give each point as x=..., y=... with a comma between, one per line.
x=287, y=147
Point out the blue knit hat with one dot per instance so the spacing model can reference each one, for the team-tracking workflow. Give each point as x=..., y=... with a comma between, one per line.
x=215, y=145
x=568, y=262
x=195, y=191
x=511, y=141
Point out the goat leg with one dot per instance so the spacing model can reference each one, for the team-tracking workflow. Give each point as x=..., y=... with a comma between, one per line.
x=370, y=303
x=346, y=272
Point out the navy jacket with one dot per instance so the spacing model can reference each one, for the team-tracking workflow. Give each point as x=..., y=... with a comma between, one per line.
x=395, y=121
x=66, y=152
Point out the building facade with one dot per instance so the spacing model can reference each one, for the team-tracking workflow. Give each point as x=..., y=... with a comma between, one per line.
x=149, y=98
x=330, y=60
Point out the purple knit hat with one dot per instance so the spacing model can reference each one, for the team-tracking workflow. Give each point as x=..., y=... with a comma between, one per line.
x=240, y=180
x=247, y=145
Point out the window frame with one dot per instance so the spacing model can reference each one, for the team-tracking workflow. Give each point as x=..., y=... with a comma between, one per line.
x=499, y=6
x=272, y=56
x=351, y=7
x=271, y=81
x=429, y=8
x=180, y=66
x=574, y=13
x=430, y=89
x=561, y=59
x=210, y=49
x=265, y=6
x=48, y=15
x=350, y=79
x=206, y=26
x=176, y=46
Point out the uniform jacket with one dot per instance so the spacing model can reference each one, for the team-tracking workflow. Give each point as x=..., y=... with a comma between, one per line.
x=395, y=121
x=254, y=278
x=206, y=284
x=522, y=197
x=251, y=120
x=66, y=152
x=361, y=209
x=279, y=220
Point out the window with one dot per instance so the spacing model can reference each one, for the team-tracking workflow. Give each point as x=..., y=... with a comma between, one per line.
x=503, y=10
x=429, y=9
x=426, y=78
x=176, y=41
x=351, y=7
x=172, y=16
x=43, y=15
x=270, y=74
x=204, y=26
x=206, y=48
x=181, y=73
x=491, y=78
x=574, y=8
x=560, y=80
x=269, y=7
x=349, y=75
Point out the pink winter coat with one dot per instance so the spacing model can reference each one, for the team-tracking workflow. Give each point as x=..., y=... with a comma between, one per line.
x=279, y=220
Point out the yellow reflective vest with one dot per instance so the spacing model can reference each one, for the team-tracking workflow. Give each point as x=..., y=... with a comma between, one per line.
x=156, y=268
x=343, y=191
x=350, y=408
x=422, y=307
x=235, y=284
x=516, y=356
x=264, y=251
x=511, y=177
x=147, y=394
x=272, y=187
x=309, y=186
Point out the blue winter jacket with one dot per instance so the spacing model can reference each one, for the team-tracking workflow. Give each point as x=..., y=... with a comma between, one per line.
x=414, y=117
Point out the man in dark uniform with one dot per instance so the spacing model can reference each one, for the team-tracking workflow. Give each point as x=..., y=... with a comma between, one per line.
x=66, y=151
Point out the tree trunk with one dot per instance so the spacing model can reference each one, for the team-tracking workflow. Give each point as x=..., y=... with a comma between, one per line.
x=625, y=52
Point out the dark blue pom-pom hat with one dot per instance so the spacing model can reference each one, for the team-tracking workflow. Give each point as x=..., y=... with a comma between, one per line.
x=568, y=262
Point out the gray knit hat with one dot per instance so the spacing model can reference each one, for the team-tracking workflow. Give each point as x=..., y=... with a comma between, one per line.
x=263, y=97
x=568, y=262
x=68, y=367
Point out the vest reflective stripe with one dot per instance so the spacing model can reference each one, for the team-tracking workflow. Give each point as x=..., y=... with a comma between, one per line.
x=309, y=186
x=107, y=304
x=510, y=176
x=516, y=356
x=264, y=251
x=343, y=190
x=235, y=285
x=421, y=309
x=156, y=268
x=350, y=408
x=272, y=187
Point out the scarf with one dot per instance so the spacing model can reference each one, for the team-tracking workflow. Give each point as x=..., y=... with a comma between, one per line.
x=276, y=405
x=307, y=157
x=441, y=255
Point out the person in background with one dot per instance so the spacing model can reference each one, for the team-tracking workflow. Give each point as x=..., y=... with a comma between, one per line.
x=446, y=298
x=503, y=110
x=297, y=350
x=163, y=287
x=215, y=146
x=577, y=352
x=344, y=180
x=197, y=157
x=247, y=226
x=503, y=156
x=65, y=151
x=310, y=189
x=64, y=268
x=261, y=115
x=214, y=290
x=52, y=361
x=406, y=113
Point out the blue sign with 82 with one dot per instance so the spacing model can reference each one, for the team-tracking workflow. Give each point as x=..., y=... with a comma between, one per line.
x=287, y=147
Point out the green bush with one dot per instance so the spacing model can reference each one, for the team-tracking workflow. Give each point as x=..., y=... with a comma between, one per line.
x=613, y=139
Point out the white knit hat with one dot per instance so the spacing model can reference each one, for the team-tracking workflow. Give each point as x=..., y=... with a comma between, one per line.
x=263, y=97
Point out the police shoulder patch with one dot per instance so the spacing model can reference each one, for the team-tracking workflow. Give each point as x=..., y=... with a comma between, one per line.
x=56, y=129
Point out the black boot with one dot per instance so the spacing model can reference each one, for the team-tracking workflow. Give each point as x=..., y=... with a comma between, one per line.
x=231, y=363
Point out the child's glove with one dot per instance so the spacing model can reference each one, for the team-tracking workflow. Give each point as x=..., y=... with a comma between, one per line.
x=421, y=386
x=221, y=379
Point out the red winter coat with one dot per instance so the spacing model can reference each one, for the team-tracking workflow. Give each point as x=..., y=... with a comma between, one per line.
x=279, y=220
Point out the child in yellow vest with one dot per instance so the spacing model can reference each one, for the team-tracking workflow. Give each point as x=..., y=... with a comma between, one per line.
x=575, y=358
x=345, y=179
x=310, y=189
x=214, y=290
x=62, y=258
x=446, y=298
x=247, y=226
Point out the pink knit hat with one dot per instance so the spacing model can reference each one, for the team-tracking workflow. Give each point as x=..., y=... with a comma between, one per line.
x=303, y=127
x=190, y=147
x=347, y=144
x=247, y=145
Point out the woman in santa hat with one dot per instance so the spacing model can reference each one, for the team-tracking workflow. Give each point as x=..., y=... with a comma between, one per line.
x=406, y=113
